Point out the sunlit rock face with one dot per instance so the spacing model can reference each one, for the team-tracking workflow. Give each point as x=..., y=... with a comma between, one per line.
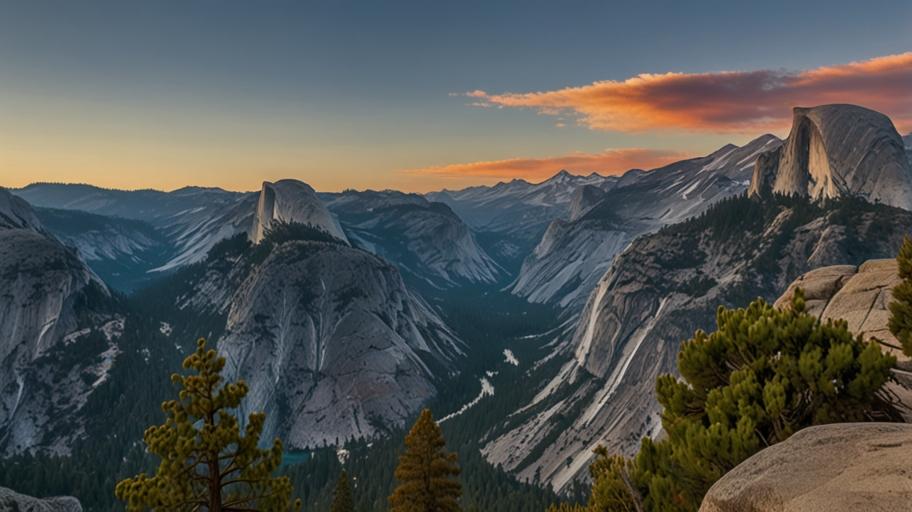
x=842, y=467
x=836, y=150
x=49, y=307
x=333, y=345
x=859, y=295
x=292, y=201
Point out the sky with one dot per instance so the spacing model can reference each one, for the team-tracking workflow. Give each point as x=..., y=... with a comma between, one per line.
x=421, y=96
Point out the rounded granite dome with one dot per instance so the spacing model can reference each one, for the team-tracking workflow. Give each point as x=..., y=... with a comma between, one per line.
x=837, y=150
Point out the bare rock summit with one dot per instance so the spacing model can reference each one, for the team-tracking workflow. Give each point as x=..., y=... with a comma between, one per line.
x=838, y=150
x=292, y=201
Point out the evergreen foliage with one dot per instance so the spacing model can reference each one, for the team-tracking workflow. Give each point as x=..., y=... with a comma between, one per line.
x=901, y=310
x=213, y=466
x=761, y=377
x=280, y=232
x=425, y=471
x=120, y=409
x=342, y=502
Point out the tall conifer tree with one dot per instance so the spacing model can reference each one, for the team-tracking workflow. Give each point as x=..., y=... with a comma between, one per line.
x=901, y=310
x=425, y=471
x=212, y=467
x=342, y=502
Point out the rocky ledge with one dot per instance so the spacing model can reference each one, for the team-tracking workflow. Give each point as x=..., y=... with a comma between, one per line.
x=859, y=295
x=830, y=468
x=11, y=500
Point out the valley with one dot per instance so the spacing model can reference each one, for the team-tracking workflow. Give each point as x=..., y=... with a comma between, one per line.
x=534, y=318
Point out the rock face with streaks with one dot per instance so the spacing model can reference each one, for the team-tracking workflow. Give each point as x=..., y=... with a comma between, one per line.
x=50, y=345
x=422, y=238
x=11, y=500
x=656, y=294
x=292, y=201
x=566, y=264
x=830, y=468
x=584, y=199
x=665, y=286
x=333, y=345
x=838, y=150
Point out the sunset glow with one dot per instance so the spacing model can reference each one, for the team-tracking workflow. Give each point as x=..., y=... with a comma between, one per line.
x=744, y=102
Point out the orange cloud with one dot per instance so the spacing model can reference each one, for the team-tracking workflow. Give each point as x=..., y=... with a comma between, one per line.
x=612, y=161
x=728, y=102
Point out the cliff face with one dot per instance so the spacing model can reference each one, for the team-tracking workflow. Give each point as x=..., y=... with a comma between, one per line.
x=656, y=294
x=566, y=264
x=836, y=150
x=52, y=312
x=859, y=295
x=16, y=213
x=584, y=199
x=292, y=201
x=332, y=344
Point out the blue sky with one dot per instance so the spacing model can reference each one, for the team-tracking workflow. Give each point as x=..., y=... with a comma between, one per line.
x=352, y=94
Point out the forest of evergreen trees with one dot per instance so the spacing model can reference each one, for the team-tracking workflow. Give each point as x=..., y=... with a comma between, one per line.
x=129, y=401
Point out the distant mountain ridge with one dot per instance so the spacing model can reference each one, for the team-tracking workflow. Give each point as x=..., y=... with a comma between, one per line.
x=565, y=265
x=192, y=218
x=518, y=207
x=424, y=239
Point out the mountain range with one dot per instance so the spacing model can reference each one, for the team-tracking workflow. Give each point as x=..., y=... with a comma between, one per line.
x=347, y=313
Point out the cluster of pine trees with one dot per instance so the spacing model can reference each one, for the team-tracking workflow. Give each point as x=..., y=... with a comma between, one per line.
x=211, y=461
x=760, y=377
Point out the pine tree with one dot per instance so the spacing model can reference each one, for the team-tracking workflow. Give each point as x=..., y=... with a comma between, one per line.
x=212, y=467
x=342, y=502
x=761, y=377
x=901, y=310
x=424, y=472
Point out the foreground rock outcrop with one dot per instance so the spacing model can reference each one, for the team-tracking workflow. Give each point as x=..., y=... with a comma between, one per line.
x=831, y=468
x=838, y=150
x=11, y=500
x=859, y=295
